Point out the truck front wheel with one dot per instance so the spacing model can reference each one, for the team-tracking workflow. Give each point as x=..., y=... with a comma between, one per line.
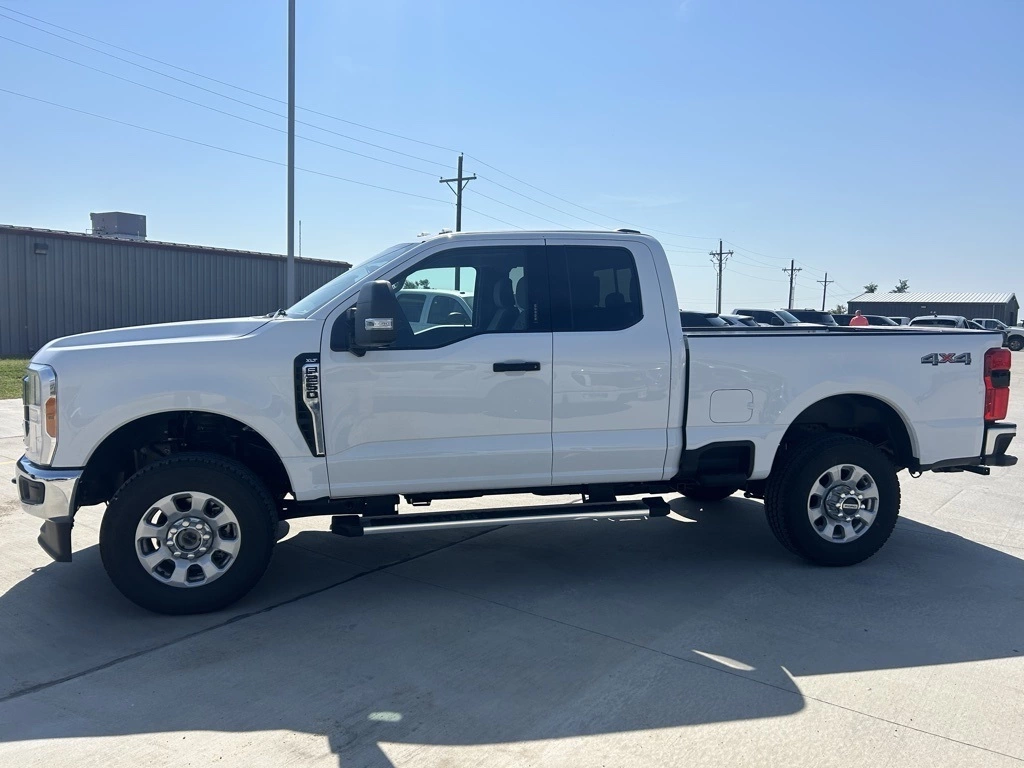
x=188, y=534
x=833, y=500
x=1016, y=343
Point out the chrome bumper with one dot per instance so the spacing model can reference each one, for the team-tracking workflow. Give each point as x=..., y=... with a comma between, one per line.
x=49, y=494
x=46, y=493
x=998, y=437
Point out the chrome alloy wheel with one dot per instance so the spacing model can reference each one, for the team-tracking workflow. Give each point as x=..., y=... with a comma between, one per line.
x=842, y=503
x=187, y=539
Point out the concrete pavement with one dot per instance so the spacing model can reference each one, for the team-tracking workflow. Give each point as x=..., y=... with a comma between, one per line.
x=694, y=640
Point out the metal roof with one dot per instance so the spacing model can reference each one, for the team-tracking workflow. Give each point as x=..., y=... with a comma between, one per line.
x=935, y=298
x=18, y=230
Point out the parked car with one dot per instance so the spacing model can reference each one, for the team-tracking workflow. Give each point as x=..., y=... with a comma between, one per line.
x=217, y=430
x=872, y=320
x=816, y=316
x=702, y=320
x=743, y=320
x=1014, y=334
x=900, y=320
x=427, y=307
x=940, y=321
x=776, y=317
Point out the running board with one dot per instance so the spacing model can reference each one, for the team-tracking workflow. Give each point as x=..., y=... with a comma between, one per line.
x=357, y=525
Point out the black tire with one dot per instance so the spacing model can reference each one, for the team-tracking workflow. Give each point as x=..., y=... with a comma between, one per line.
x=223, y=478
x=708, y=493
x=1015, y=343
x=788, y=488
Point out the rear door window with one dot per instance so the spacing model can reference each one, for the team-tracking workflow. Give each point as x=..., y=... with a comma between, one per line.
x=593, y=288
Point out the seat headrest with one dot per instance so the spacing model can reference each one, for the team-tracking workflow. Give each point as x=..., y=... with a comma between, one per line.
x=503, y=296
x=522, y=293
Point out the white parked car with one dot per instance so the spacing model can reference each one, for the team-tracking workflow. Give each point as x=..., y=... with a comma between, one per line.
x=1014, y=335
x=426, y=307
x=942, y=321
x=215, y=431
x=740, y=320
x=775, y=317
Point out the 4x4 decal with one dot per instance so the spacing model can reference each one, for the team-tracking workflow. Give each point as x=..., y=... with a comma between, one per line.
x=947, y=357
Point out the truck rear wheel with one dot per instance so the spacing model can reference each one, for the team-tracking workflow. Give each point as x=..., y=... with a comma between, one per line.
x=188, y=534
x=834, y=500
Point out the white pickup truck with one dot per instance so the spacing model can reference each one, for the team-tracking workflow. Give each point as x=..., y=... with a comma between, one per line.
x=572, y=375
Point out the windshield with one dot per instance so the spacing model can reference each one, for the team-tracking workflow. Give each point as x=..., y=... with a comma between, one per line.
x=943, y=321
x=346, y=280
x=786, y=316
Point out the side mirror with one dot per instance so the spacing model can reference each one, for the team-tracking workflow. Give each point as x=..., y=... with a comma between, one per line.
x=777, y=321
x=377, y=313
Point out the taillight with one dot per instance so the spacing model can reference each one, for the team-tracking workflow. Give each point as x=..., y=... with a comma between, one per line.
x=997, y=383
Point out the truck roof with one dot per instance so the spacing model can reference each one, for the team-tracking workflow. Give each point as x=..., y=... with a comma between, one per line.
x=525, y=234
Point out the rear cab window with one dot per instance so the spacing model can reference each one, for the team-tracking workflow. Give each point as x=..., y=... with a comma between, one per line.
x=593, y=288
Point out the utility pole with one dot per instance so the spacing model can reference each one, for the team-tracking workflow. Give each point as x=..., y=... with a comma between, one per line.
x=793, y=269
x=719, y=258
x=460, y=182
x=824, y=289
x=290, y=267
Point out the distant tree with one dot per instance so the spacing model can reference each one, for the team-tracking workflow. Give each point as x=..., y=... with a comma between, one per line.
x=901, y=287
x=838, y=309
x=870, y=287
x=409, y=284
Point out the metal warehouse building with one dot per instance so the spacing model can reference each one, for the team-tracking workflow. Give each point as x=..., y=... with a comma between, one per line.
x=54, y=283
x=1001, y=306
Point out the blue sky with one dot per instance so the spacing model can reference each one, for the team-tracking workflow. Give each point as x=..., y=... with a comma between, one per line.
x=874, y=140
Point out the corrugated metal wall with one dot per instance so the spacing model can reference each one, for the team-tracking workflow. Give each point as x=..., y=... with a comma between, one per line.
x=86, y=283
x=1005, y=312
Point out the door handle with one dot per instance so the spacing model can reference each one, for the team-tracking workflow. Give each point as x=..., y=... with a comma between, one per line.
x=506, y=367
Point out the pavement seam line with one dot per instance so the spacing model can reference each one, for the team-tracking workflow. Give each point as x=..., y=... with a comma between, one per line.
x=666, y=654
x=240, y=617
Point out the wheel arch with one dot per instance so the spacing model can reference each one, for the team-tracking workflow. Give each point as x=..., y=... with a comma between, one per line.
x=866, y=416
x=143, y=440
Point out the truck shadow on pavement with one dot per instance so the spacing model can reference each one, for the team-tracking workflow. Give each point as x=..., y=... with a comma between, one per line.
x=515, y=635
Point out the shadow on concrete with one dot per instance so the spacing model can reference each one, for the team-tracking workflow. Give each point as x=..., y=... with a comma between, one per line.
x=521, y=634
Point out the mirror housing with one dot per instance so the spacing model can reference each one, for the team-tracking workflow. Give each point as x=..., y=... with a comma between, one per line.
x=376, y=316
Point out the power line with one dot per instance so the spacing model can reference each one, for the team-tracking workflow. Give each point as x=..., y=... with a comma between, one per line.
x=222, y=95
x=583, y=207
x=213, y=109
x=214, y=79
x=247, y=155
x=214, y=146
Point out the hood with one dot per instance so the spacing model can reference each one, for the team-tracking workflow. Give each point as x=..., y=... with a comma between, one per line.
x=231, y=328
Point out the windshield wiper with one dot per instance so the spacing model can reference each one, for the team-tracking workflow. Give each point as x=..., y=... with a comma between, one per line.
x=277, y=313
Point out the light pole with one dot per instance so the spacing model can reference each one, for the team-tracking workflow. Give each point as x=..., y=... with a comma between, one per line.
x=290, y=268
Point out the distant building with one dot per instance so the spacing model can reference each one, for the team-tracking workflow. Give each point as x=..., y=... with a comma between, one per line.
x=54, y=284
x=1001, y=306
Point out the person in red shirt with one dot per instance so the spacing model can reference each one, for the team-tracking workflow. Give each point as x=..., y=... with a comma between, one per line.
x=858, y=319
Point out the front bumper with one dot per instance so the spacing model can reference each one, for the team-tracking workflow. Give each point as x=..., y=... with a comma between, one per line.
x=49, y=494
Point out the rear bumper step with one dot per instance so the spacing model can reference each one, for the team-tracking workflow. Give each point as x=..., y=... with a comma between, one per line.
x=356, y=525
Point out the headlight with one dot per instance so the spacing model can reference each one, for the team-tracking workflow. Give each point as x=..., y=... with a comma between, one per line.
x=39, y=395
